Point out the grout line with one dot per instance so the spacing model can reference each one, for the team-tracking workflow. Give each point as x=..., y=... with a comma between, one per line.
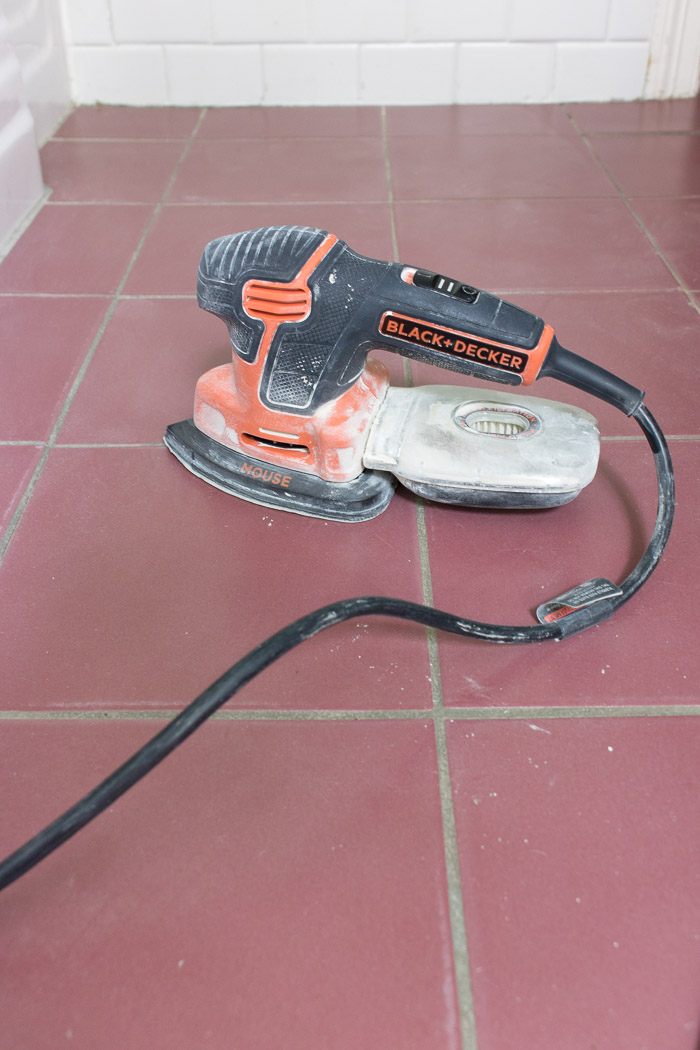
x=635, y=437
x=637, y=134
x=389, y=184
x=460, y=950
x=109, y=444
x=171, y=295
x=595, y=133
x=460, y=953
x=427, y=585
x=592, y=291
x=29, y=490
x=23, y=444
x=225, y=715
x=103, y=203
x=37, y=442
x=502, y=291
x=506, y=714
x=140, y=140
x=55, y=295
x=355, y=202
x=440, y=717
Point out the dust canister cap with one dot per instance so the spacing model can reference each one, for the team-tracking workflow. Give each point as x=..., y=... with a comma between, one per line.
x=496, y=420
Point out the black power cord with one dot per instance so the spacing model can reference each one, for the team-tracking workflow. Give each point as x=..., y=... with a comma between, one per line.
x=184, y=724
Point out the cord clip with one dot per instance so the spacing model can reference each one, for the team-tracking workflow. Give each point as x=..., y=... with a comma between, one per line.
x=588, y=593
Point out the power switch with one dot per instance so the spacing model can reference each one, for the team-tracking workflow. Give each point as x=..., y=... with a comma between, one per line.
x=445, y=285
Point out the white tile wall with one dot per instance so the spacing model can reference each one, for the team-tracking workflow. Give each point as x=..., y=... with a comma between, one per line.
x=358, y=20
x=458, y=20
x=87, y=22
x=559, y=20
x=405, y=74
x=619, y=71
x=293, y=74
x=631, y=19
x=34, y=31
x=230, y=52
x=125, y=76
x=265, y=21
x=160, y=21
x=21, y=185
x=505, y=72
x=214, y=76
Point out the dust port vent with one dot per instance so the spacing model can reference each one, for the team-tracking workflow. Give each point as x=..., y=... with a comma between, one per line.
x=496, y=420
x=270, y=300
x=266, y=442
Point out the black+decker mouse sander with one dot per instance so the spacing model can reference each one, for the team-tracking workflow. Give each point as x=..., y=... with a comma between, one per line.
x=304, y=421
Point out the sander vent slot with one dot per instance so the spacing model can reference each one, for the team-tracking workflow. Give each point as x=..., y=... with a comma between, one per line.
x=263, y=442
x=496, y=420
x=271, y=300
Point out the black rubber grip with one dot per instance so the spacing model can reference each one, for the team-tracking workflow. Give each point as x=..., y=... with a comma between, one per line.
x=585, y=375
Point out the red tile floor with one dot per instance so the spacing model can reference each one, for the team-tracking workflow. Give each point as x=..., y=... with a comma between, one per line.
x=387, y=840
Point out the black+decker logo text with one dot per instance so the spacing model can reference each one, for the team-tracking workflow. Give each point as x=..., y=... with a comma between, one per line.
x=432, y=337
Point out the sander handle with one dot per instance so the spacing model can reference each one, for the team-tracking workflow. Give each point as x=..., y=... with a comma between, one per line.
x=304, y=310
x=577, y=371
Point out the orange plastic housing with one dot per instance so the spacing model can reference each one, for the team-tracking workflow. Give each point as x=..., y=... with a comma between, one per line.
x=329, y=443
x=228, y=408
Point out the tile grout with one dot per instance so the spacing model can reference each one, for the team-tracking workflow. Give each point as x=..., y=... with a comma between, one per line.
x=139, y=140
x=505, y=291
x=357, y=202
x=374, y=136
x=438, y=715
x=38, y=442
x=460, y=952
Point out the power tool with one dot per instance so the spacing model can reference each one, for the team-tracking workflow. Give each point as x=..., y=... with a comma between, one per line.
x=302, y=420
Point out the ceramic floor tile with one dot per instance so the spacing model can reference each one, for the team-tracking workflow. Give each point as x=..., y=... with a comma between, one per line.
x=624, y=333
x=129, y=122
x=168, y=262
x=507, y=564
x=650, y=166
x=44, y=343
x=332, y=169
x=273, y=122
x=160, y=582
x=284, y=882
x=17, y=463
x=109, y=171
x=284, y=878
x=680, y=114
x=448, y=121
x=531, y=244
x=144, y=371
x=75, y=249
x=486, y=166
x=579, y=855
x=675, y=226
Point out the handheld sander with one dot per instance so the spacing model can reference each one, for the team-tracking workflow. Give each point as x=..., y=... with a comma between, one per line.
x=302, y=420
